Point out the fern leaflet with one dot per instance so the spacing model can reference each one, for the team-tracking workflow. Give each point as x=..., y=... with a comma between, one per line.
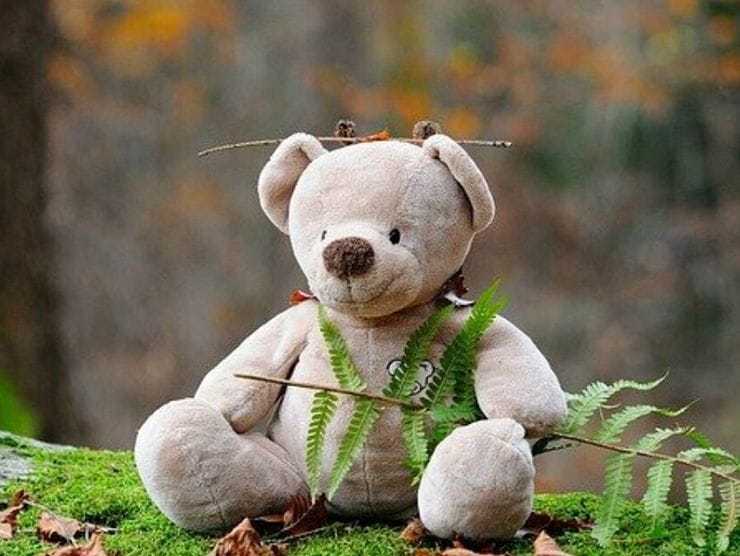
x=482, y=315
x=365, y=413
x=458, y=359
x=711, y=453
x=583, y=405
x=402, y=381
x=453, y=413
x=339, y=357
x=730, y=509
x=617, y=484
x=611, y=430
x=654, y=440
x=699, y=494
x=655, y=498
x=414, y=437
x=322, y=410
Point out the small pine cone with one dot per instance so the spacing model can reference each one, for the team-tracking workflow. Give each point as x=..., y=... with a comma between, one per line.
x=424, y=129
x=345, y=128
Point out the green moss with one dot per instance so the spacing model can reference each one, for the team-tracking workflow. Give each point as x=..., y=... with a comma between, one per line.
x=102, y=487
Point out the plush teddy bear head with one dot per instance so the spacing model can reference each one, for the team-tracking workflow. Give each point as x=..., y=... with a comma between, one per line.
x=379, y=226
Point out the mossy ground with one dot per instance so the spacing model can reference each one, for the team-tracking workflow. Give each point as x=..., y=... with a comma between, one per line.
x=102, y=487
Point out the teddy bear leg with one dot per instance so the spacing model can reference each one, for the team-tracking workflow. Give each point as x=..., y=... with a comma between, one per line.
x=205, y=476
x=479, y=482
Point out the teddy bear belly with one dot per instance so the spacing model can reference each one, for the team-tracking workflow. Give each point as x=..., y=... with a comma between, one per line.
x=377, y=485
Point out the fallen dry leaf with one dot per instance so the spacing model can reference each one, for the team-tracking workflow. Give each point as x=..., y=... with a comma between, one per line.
x=278, y=549
x=20, y=498
x=93, y=548
x=459, y=551
x=545, y=545
x=380, y=136
x=242, y=540
x=414, y=531
x=302, y=517
x=297, y=507
x=56, y=529
x=537, y=522
x=9, y=516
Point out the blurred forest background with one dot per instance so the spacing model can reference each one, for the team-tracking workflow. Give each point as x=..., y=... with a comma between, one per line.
x=129, y=267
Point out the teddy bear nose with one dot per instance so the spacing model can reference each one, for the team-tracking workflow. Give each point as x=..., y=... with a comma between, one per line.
x=349, y=256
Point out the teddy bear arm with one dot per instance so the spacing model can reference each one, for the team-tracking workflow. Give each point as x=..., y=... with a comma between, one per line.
x=515, y=380
x=272, y=350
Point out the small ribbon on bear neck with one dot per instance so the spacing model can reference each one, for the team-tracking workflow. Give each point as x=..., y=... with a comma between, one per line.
x=299, y=296
x=453, y=290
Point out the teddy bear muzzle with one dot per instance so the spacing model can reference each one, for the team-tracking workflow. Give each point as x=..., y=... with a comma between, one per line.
x=348, y=257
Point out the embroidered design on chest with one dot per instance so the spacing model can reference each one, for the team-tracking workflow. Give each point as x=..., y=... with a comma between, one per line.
x=423, y=374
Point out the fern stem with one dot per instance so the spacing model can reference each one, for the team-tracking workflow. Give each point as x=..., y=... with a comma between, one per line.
x=321, y=387
x=497, y=143
x=644, y=453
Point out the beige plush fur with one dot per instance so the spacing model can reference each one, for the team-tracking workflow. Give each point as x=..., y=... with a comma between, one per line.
x=198, y=458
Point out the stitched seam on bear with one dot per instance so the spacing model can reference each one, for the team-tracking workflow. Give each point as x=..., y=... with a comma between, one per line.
x=199, y=476
x=291, y=361
x=521, y=453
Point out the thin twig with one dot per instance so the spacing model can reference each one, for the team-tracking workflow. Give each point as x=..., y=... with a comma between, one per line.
x=555, y=436
x=498, y=143
x=644, y=453
x=310, y=386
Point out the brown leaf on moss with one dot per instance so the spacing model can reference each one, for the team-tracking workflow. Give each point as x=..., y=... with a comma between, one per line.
x=545, y=545
x=278, y=549
x=9, y=516
x=297, y=507
x=57, y=529
x=302, y=516
x=242, y=540
x=537, y=522
x=414, y=531
x=93, y=548
x=460, y=551
x=20, y=498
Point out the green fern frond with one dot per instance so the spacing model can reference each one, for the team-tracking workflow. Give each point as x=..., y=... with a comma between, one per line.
x=414, y=436
x=699, y=494
x=454, y=413
x=322, y=410
x=655, y=498
x=627, y=384
x=341, y=361
x=365, y=413
x=722, y=458
x=481, y=317
x=654, y=440
x=441, y=431
x=612, y=428
x=417, y=346
x=617, y=484
x=711, y=453
x=730, y=511
x=582, y=406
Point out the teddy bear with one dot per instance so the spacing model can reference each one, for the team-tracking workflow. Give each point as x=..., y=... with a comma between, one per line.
x=377, y=228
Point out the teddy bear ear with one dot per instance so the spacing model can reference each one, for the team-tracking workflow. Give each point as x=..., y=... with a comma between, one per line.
x=280, y=175
x=467, y=174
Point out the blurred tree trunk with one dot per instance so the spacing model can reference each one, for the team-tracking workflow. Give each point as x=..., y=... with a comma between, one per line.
x=30, y=349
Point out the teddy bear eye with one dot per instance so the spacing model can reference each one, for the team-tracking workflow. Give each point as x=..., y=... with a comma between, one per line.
x=394, y=236
x=323, y=235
